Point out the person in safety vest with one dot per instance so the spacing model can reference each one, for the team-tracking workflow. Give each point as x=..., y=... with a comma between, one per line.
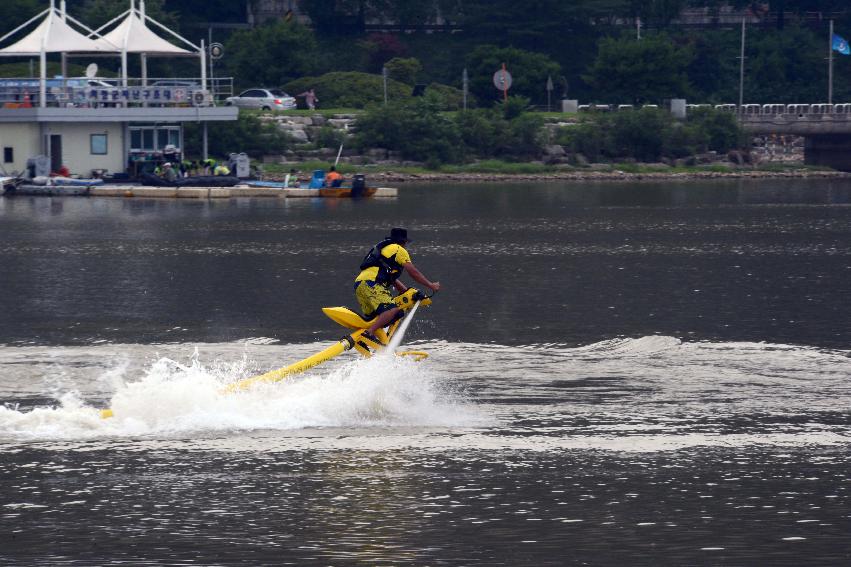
x=333, y=179
x=221, y=169
x=209, y=165
x=380, y=269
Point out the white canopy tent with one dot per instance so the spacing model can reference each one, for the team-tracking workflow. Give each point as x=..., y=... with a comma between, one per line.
x=132, y=35
x=52, y=35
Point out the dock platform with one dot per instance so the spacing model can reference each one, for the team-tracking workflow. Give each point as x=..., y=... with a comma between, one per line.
x=182, y=192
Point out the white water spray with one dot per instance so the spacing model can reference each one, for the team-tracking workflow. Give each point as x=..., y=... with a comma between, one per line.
x=400, y=332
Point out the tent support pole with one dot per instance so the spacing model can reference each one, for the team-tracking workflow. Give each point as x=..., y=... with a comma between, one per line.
x=204, y=139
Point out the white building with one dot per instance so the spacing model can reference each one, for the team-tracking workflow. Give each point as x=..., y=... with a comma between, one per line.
x=89, y=124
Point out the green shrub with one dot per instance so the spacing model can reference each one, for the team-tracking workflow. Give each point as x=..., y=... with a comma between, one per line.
x=349, y=89
x=525, y=134
x=403, y=70
x=481, y=131
x=589, y=138
x=722, y=132
x=650, y=134
x=247, y=134
x=450, y=97
x=640, y=133
x=329, y=137
x=514, y=106
x=414, y=127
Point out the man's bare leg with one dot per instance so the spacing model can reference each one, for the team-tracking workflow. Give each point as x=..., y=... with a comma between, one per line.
x=383, y=320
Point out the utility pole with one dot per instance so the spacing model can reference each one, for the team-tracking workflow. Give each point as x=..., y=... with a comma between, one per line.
x=384, y=78
x=742, y=68
x=464, y=82
x=637, y=27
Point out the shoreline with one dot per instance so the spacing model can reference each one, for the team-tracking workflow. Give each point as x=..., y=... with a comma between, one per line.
x=400, y=177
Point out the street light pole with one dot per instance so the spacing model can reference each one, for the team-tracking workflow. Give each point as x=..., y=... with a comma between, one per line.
x=742, y=68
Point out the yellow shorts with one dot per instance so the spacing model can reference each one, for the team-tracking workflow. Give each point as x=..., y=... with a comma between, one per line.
x=374, y=298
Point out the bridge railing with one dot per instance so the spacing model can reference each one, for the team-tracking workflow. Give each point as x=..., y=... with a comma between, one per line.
x=745, y=111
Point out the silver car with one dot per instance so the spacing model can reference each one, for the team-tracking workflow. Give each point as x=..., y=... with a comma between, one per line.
x=265, y=99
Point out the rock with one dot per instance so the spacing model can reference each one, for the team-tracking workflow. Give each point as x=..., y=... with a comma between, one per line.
x=377, y=153
x=318, y=120
x=554, y=150
x=580, y=160
x=735, y=156
x=298, y=136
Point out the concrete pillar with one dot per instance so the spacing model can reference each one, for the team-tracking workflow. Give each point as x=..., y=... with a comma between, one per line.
x=569, y=105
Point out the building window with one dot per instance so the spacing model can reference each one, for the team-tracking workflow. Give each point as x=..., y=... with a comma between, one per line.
x=153, y=138
x=98, y=144
x=8, y=155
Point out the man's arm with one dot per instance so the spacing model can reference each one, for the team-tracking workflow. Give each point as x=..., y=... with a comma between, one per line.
x=420, y=278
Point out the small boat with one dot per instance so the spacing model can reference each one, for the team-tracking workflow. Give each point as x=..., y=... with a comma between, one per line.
x=350, y=192
x=8, y=184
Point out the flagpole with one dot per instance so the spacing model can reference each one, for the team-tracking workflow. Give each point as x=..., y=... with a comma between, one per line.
x=830, y=65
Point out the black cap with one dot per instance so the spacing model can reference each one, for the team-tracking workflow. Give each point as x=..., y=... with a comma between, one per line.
x=399, y=235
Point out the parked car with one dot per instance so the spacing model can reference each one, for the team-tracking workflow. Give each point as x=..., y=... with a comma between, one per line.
x=266, y=99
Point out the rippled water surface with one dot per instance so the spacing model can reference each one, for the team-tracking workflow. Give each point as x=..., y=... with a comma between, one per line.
x=645, y=374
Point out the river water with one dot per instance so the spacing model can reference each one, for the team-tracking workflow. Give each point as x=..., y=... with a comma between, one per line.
x=619, y=374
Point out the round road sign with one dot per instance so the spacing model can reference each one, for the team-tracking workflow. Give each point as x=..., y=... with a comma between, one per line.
x=502, y=80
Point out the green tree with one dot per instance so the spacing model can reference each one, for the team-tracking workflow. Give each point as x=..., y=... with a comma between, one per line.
x=529, y=72
x=649, y=70
x=787, y=66
x=349, y=90
x=15, y=12
x=271, y=55
x=95, y=13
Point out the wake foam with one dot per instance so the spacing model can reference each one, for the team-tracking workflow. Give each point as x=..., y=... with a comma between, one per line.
x=173, y=398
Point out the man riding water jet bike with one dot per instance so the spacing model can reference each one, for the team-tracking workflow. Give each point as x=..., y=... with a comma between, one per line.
x=380, y=270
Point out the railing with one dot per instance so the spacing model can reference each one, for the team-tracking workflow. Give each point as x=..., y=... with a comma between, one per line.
x=110, y=92
x=800, y=110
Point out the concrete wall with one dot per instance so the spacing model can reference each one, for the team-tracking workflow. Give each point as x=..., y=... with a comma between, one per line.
x=76, y=146
x=25, y=142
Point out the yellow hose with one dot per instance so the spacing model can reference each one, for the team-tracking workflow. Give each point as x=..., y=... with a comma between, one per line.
x=295, y=368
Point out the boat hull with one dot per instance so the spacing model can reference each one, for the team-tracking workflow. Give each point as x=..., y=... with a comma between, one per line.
x=346, y=192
